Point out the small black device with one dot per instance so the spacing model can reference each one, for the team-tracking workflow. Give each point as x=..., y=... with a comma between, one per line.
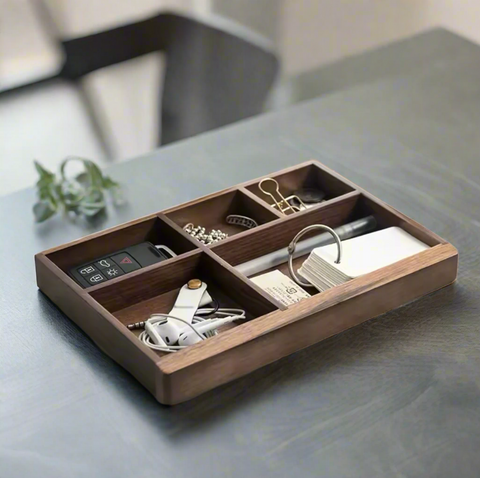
x=119, y=263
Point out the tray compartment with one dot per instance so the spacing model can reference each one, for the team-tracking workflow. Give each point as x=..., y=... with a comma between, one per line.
x=279, y=235
x=309, y=176
x=152, y=229
x=345, y=209
x=135, y=298
x=212, y=212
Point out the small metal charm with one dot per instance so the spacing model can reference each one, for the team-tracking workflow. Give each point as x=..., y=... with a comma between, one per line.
x=243, y=221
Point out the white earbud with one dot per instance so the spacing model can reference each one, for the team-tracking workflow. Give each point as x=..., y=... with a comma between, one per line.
x=153, y=334
x=187, y=303
x=189, y=337
x=169, y=331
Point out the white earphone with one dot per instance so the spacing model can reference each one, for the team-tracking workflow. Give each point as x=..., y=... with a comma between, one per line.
x=187, y=324
x=190, y=337
x=189, y=299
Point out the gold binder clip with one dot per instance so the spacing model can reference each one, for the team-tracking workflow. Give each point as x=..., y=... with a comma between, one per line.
x=270, y=187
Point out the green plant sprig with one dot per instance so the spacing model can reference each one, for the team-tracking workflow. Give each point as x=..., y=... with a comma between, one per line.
x=83, y=194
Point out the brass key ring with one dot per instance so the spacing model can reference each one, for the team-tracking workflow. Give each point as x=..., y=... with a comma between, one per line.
x=293, y=244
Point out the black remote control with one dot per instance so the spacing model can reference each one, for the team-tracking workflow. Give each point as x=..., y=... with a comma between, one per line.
x=119, y=263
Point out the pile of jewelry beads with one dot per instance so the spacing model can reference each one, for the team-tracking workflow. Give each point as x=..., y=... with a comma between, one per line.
x=200, y=234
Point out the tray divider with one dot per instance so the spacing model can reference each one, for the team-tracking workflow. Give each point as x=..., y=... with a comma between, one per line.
x=262, y=203
x=236, y=250
x=172, y=263
x=324, y=204
x=244, y=285
x=180, y=231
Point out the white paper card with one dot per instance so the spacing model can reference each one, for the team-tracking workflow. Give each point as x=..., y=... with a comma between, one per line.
x=280, y=287
x=360, y=255
x=370, y=252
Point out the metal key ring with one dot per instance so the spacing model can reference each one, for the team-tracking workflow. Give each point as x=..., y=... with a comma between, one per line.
x=293, y=244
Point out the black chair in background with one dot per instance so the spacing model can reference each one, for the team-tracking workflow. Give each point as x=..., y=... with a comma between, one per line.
x=216, y=73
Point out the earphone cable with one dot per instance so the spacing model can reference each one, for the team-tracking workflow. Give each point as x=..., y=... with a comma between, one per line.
x=227, y=315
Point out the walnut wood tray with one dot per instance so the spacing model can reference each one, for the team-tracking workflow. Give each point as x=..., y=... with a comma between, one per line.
x=272, y=330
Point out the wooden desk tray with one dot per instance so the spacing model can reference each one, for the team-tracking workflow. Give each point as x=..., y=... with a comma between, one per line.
x=272, y=330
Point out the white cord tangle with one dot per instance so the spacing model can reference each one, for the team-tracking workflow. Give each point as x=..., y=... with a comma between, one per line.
x=226, y=315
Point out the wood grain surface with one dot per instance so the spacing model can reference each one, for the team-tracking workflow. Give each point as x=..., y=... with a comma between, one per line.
x=396, y=396
x=333, y=316
x=405, y=281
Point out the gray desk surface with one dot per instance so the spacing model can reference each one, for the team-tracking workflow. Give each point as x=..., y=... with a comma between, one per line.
x=397, y=396
x=397, y=58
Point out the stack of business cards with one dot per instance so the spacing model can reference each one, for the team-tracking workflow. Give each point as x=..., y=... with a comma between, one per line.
x=360, y=255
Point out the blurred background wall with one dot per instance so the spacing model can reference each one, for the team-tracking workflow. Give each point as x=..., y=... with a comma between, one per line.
x=310, y=33
x=307, y=34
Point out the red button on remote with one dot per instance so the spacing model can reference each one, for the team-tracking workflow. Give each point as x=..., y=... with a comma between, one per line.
x=126, y=262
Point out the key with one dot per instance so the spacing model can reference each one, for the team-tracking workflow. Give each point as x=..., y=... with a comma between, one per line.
x=119, y=263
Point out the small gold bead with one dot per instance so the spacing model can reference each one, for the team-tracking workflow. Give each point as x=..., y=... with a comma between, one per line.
x=194, y=284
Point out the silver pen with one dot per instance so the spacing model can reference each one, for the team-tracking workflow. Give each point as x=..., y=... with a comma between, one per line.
x=275, y=258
